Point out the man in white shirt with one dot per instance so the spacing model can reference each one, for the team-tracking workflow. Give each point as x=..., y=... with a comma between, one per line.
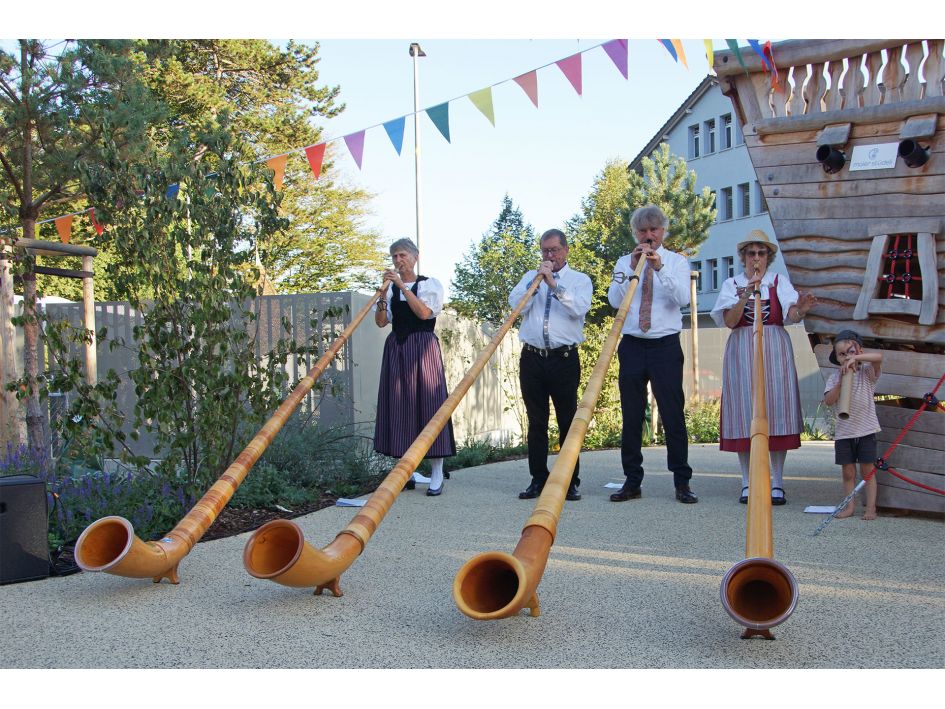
x=552, y=328
x=650, y=352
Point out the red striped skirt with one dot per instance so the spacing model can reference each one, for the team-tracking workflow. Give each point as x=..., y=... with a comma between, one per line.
x=411, y=390
x=783, y=397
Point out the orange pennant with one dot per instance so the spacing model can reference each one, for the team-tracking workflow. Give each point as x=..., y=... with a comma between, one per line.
x=677, y=44
x=64, y=227
x=277, y=165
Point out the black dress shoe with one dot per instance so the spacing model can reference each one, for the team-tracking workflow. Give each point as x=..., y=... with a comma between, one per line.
x=410, y=485
x=744, y=496
x=532, y=491
x=625, y=493
x=573, y=493
x=433, y=493
x=778, y=499
x=684, y=494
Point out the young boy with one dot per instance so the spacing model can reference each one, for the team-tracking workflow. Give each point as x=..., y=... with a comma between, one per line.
x=855, y=438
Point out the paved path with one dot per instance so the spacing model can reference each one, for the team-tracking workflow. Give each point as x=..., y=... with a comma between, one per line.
x=629, y=585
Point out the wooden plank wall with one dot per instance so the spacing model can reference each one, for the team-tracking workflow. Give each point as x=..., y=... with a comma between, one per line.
x=825, y=223
x=920, y=455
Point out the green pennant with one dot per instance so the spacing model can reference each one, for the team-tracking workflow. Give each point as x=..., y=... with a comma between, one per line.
x=733, y=45
x=482, y=100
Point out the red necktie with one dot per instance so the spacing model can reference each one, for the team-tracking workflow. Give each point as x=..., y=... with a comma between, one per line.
x=646, y=304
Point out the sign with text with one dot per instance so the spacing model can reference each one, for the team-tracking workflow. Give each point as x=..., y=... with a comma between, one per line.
x=874, y=157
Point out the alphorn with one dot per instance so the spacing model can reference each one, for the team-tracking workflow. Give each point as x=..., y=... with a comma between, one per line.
x=110, y=544
x=759, y=592
x=846, y=389
x=496, y=584
x=278, y=550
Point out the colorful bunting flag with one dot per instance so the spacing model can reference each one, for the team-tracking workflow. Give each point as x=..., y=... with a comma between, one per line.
x=769, y=53
x=395, y=131
x=315, y=155
x=277, y=165
x=617, y=50
x=760, y=52
x=440, y=115
x=64, y=227
x=99, y=229
x=571, y=66
x=669, y=48
x=355, y=143
x=680, y=52
x=709, y=53
x=733, y=45
x=529, y=84
x=482, y=100
x=172, y=191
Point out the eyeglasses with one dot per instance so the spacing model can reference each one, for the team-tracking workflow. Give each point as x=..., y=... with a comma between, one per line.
x=763, y=252
x=551, y=252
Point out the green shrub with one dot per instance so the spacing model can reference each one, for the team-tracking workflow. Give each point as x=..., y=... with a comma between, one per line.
x=702, y=421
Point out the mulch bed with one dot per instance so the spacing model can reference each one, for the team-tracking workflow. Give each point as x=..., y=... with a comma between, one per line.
x=235, y=520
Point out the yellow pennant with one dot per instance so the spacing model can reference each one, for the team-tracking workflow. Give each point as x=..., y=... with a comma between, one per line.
x=64, y=227
x=709, y=53
x=677, y=45
x=482, y=100
x=277, y=165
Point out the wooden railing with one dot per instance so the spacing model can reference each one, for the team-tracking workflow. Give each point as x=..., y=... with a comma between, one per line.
x=821, y=76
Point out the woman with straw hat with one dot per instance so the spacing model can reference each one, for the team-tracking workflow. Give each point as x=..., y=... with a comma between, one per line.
x=780, y=305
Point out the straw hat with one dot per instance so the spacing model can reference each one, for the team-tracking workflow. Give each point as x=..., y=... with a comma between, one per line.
x=758, y=237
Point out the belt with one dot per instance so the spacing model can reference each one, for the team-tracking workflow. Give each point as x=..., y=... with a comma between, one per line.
x=563, y=350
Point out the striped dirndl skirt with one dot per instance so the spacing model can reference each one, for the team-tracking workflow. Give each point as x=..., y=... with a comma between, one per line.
x=783, y=397
x=411, y=389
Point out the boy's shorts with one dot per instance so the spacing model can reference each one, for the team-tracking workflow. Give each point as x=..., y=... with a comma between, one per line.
x=855, y=450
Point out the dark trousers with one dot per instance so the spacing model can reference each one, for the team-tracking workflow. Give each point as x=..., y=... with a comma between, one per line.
x=556, y=376
x=659, y=362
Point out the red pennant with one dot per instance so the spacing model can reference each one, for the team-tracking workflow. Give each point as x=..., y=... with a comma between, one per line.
x=316, y=155
x=769, y=53
x=99, y=229
x=571, y=67
x=529, y=84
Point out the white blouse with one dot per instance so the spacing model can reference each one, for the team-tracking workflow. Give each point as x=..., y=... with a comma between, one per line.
x=430, y=292
x=728, y=294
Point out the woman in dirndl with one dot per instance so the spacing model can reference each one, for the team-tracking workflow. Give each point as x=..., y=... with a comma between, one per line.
x=780, y=305
x=413, y=384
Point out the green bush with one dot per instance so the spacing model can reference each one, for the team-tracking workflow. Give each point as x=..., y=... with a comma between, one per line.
x=702, y=421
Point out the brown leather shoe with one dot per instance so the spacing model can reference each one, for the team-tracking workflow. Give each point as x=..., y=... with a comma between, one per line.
x=626, y=493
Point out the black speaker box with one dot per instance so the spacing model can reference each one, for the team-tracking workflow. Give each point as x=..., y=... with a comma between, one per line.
x=24, y=550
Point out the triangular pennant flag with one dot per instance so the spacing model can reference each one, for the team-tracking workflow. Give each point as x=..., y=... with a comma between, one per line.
x=769, y=53
x=733, y=45
x=669, y=47
x=395, y=131
x=760, y=52
x=709, y=53
x=64, y=227
x=99, y=229
x=172, y=191
x=315, y=155
x=277, y=165
x=617, y=50
x=571, y=66
x=355, y=143
x=680, y=52
x=440, y=115
x=482, y=100
x=529, y=84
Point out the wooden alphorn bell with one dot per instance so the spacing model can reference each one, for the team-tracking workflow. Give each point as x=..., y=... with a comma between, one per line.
x=278, y=550
x=496, y=584
x=110, y=544
x=759, y=592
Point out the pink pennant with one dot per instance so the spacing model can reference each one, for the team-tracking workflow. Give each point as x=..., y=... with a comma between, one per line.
x=529, y=84
x=355, y=143
x=571, y=67
x=617, y=50
x=315, y=155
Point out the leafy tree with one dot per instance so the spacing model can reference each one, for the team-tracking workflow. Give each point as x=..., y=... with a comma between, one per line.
x=53, y=110
x=491, y=268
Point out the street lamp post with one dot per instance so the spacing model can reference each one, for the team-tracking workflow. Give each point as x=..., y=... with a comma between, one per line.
x=416, y=53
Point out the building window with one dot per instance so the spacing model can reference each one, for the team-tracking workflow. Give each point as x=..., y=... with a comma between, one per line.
x=712, y=267
x=728, y=267
x=709, y=137
x=725, y=209
x=728, y=132
x=697, y=267
x=744, y=200
x=693, y=142
x=760, y=198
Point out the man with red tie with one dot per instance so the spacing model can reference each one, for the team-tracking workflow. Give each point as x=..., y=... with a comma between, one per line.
x=650, y=352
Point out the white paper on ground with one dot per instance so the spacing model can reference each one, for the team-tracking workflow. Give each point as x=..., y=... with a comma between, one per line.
x=347, y=502
x=821, y=509
x=614, y=486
